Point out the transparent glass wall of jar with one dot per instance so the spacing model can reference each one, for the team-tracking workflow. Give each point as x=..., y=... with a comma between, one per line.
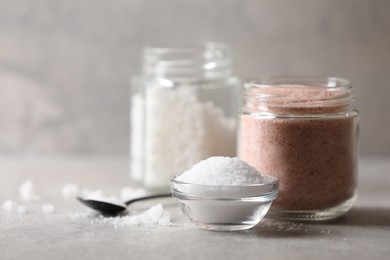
x=183, y=110
x=304, y=131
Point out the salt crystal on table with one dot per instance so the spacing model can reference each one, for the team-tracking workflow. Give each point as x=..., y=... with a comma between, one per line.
x=47, y=208
x=21, y=209
x=165, y=220
x=131, y=221
x=27, y=191
x=70, y=191
x=155, y=216
x=12, y=206
x=80, y=215
x=8, y=205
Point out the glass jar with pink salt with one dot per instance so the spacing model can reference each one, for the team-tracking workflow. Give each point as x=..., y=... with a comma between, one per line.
x=304, y=131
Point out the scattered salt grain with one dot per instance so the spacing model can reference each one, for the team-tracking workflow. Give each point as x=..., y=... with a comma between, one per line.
x=155, y=216
x=21, y=209
x=8, y=205
x=70, y=190
x=47, y=208
x=222, y=171
x=27, y=191
x=81, y=215
x=283, y=226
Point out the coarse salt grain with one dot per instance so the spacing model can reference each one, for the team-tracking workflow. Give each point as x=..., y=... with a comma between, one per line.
x=27, y=191
x=8, y=205
x=283, y=226
x=224, y=171
x=47, y=208
x=154, y=216
x=81, y=215
x=21, y=209
x=70, y=191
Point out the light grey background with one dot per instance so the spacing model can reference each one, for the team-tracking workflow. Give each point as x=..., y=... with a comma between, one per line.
x=65, y=65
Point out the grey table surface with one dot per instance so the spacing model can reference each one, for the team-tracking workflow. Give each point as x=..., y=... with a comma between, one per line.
x=362, y=233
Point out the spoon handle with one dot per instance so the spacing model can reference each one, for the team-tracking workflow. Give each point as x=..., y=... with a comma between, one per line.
x=127, y=203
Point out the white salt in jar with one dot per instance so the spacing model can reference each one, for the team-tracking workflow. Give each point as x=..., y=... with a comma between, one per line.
x=183, y=110
x=304, y=131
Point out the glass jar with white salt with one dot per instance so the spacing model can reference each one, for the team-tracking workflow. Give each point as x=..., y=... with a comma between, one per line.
x=183, y=110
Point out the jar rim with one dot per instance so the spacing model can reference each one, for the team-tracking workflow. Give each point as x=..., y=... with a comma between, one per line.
x=211, y=60
x=309, y=81
x=191, y=49
x=298, y=94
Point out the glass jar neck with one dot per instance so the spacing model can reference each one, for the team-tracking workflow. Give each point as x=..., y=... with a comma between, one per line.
x=297, y=96
x=211, y=62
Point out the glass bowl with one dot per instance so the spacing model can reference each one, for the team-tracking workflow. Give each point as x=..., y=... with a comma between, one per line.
x=225, y=208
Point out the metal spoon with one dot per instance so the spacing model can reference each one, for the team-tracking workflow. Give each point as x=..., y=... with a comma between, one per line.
x=108, y=208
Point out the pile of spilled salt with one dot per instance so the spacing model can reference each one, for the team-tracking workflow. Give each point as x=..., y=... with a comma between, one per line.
x=154, y=216
x=222, y=171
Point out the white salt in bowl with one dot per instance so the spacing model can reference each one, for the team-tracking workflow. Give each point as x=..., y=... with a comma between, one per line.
x=225, y=208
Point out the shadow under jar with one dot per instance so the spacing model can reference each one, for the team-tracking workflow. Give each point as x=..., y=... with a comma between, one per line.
x=304, y=131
